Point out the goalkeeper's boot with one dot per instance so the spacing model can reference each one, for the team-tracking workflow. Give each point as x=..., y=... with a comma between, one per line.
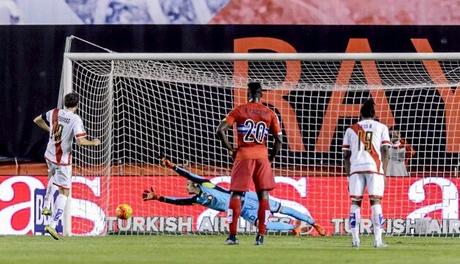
x=355, y=244
x=167, y=163
x=380, y=244
x=50, y=230
x=321, y=231
x=46, y=211
x=297, y=229
x=259, y=240
x=232, y=240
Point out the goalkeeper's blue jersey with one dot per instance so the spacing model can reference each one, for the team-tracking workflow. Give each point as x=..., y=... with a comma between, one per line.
x=213, y=198
x=219, y=201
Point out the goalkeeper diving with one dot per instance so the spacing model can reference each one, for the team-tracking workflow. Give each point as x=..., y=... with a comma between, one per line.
x=212, y=196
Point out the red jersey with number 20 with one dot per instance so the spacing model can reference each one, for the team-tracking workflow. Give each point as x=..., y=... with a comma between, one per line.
x=254, y=122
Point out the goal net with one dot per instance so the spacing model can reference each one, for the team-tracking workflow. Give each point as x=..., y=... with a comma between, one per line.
x=141, y=105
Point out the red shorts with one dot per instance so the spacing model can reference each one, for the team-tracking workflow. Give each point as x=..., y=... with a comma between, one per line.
x=259, y=170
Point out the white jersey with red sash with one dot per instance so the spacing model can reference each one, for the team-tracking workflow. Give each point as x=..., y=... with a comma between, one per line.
x=364, y=140
x=64, y=126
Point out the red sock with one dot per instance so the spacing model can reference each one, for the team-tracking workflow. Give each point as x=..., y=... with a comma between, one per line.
x=235, y=206
x=262, y=214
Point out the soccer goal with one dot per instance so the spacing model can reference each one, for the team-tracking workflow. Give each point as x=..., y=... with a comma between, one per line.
x=144, y=104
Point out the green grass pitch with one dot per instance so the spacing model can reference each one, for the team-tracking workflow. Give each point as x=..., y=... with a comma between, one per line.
x=210, y=249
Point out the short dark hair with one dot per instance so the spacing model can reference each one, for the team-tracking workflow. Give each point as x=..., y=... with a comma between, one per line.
x=255, y=89
x=71, y=100
x=367, y=109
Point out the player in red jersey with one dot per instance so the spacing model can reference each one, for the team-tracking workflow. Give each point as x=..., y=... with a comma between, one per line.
x=254, y=121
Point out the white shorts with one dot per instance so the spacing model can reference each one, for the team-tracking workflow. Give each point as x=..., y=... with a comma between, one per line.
x=375, y=184
x=61, y=175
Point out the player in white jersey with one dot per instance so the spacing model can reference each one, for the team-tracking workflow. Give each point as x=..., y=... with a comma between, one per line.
x=399, y=151
x=365, y=150
x=63, y=125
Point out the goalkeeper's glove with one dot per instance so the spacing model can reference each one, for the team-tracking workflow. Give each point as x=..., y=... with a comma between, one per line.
x=149, y=195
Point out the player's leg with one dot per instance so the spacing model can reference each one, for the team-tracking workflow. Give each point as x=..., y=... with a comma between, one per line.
x=264, y=182
x=62, y=179
x=60, y=203
x=233, y=214
x=286, y=210
x=262, y=215
x=50, y=189
x=375, y=187
x=238, y=185
x=250, y=207
x=356, y=183
x=279, y=226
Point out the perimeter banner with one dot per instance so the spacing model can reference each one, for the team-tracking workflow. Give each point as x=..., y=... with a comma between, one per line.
x=415, y=205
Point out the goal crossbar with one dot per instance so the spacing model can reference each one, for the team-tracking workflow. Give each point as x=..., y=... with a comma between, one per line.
x=412, y=56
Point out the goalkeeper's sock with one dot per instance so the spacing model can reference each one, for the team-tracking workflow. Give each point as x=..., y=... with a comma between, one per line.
x=262, y=215
x=58, y=209
x=50, y=190
x=377, y=222
x=355, y=219
x=233, y=214
x=297, y=215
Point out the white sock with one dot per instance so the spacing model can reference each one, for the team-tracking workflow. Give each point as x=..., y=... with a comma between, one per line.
x=377, y=222
x=50, y=190
x=58, y=209
x=355, y=219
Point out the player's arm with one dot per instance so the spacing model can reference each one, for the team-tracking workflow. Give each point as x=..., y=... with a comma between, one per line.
x=385, y=149
x=190, y=176
x=81, y=137
x=151, y=195
x=276, y=148
x=198, y=179
x=222, y=135
x=275, y=129
x=222, y=189
x=385, y=152
x=409, y=151
x=346, y=152
x=40, y=121
x=178, y=201
x=346, y=161
x=181, y=171
x=83, y=141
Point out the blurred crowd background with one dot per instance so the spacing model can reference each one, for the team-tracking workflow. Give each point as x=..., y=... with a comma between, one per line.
x=323, y=12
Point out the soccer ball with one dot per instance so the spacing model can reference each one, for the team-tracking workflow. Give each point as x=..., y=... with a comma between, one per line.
x=124, y=211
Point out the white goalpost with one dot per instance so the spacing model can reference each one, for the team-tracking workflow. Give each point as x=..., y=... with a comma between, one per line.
x=144, y=104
